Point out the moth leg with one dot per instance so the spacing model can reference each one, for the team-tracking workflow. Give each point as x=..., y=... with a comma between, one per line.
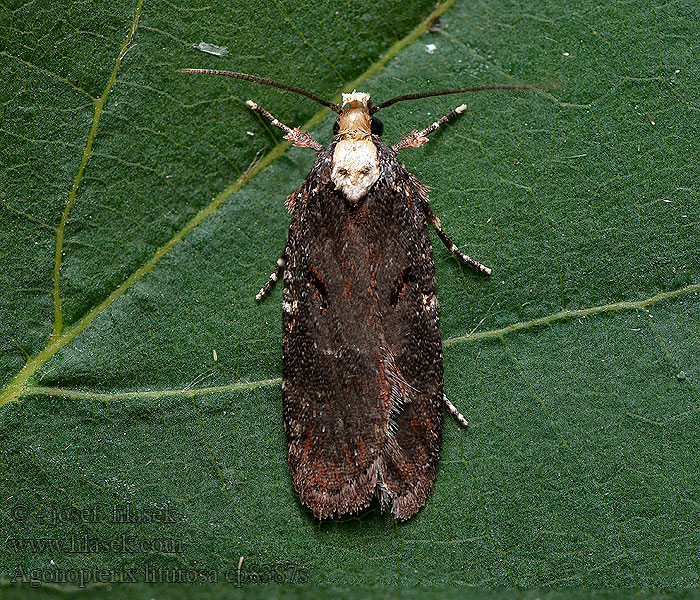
x=271, y=280
x=452, y=247
x=299, y=137
x=455, y=413
x=418, y=138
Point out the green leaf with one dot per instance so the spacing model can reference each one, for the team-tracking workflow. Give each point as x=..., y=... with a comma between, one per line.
x=143, y=209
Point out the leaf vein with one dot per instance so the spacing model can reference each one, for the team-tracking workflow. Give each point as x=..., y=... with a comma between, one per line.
x=72, y=196
x=13, y=393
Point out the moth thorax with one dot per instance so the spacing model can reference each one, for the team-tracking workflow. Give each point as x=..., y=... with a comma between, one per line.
x=355, y=123
x=355, y=167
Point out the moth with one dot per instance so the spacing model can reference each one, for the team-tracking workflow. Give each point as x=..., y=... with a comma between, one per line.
x=362, y=384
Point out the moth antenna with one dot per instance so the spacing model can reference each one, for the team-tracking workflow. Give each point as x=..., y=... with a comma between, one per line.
x=482, y=88
x=283, y=86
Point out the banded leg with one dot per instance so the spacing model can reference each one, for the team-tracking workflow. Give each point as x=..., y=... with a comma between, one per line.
x=455, y=413
x=271, y=280
x=299, y=137
x=418, y=138
x=452, y=247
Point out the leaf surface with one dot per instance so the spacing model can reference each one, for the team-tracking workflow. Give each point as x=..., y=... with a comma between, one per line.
x=144, y=209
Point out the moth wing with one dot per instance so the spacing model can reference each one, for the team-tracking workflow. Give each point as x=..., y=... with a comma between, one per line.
x=362, y=388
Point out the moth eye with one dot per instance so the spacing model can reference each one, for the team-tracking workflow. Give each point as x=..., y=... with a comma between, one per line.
x=364, y=170
x=336, y=127
x=342, y=172
x=377, y=127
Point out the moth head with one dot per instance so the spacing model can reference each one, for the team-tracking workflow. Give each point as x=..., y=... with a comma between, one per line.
x=355, y=122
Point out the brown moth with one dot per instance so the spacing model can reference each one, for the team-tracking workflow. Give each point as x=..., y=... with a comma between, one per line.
x=362, y=384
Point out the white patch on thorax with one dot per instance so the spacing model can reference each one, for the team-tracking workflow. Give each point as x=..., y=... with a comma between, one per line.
x=355, y=167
